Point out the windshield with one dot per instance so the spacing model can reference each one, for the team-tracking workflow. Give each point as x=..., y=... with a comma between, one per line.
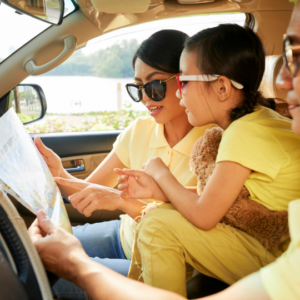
x=18, y=29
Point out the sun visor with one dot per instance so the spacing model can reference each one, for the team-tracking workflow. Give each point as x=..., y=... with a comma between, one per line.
x=121, y=6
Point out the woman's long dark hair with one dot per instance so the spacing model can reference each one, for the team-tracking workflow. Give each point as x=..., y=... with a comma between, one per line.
x=162, y=50
x=237, y=53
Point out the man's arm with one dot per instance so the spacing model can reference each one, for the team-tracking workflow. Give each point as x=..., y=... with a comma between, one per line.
x=63, y=255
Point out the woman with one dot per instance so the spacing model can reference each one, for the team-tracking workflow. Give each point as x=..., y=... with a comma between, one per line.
x=222, y=68
x=166, y=134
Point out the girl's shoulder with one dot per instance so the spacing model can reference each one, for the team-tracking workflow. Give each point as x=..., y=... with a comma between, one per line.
x=264, y=118
x=264, y=115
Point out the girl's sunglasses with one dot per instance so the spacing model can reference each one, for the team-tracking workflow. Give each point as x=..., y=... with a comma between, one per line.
x=155, y=90
x=182, y=79
x=291, y=59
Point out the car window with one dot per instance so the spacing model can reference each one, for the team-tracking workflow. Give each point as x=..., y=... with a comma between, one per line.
x=15, y=36
x=87, y=92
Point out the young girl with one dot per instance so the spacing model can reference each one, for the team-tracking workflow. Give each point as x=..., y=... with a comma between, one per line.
x=166, y=134
x=221, y=68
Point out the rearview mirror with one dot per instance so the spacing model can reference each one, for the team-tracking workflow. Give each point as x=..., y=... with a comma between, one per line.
x=29, y=102
x=49, y=11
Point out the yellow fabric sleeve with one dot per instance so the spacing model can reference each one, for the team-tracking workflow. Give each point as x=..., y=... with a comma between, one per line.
x=122, y=145
x=253, y=146
x=281, y=279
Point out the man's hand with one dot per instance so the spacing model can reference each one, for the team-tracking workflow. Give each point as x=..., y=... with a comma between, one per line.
x=138, y=185
x=91, y=196
x=156, y=168
x=59, y=250
x=52, y=159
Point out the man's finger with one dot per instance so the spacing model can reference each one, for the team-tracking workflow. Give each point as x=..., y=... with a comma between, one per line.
x=74, y=183
x=135, y=173
x=34, y=231
x=41, y=147
x=45, y=223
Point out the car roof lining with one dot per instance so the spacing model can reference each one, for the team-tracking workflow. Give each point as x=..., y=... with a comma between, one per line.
x=271, y=21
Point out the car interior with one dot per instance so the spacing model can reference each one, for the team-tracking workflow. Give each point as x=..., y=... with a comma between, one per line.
x=82, y=152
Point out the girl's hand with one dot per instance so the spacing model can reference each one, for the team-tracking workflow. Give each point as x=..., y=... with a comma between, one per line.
x=91, y=196
x=156, y=168
x=138, y=185
x=52, y=159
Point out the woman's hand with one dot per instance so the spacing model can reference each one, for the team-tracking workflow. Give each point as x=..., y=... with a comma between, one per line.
x=52, y=159
x=137, y=184
x=155, y=167
x=91, y=196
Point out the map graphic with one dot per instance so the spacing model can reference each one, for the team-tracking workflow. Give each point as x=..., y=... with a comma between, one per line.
x=25, y=175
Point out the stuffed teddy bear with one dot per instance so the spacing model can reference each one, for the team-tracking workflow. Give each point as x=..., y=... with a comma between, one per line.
x=268, y=227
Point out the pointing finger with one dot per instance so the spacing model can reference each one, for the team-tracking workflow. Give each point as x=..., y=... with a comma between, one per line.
x=118, y=171
x=135, y=173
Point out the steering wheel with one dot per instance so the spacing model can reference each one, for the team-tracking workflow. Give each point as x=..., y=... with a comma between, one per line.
x=29, y=277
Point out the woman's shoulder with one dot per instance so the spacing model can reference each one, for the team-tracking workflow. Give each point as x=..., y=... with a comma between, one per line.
x=142, y=125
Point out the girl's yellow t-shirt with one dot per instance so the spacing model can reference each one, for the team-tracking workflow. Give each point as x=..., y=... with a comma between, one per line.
x=264, y=142
x=144, y=139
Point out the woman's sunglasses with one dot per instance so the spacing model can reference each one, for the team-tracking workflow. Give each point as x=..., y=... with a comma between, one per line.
x=155, y=90
x=291, y=59
x=182, y=79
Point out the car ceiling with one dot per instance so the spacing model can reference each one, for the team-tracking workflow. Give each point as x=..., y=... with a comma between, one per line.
x=98, y=17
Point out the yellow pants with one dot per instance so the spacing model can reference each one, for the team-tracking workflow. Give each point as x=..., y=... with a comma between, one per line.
x=165, y=242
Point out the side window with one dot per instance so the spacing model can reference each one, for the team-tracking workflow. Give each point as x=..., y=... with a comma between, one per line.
x=87, y=92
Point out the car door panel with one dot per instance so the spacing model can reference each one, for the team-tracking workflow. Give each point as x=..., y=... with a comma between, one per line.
x=67, y=144
x=89, y=164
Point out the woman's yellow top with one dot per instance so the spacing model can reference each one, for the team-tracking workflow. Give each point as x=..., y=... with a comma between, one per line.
x=144, y=139
x=264, y=142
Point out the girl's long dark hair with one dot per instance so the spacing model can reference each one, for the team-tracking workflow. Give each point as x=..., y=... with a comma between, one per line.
x=162, y=50
x=237, y=53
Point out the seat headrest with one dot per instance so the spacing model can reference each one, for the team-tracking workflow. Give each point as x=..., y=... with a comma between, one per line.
x=268, y=85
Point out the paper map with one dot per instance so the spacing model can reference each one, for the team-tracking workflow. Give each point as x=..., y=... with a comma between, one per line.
x=25, y=175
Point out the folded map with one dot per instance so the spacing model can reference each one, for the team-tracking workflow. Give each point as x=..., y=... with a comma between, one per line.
x=24, y=173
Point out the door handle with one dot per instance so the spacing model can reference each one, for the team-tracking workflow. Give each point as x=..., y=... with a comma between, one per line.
x=77, y=169
x=79, y=166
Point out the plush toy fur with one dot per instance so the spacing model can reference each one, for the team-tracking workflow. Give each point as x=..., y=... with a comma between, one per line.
x=268, y=227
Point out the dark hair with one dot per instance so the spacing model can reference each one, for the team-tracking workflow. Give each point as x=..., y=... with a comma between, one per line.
x=237, y=53
x=162, y=50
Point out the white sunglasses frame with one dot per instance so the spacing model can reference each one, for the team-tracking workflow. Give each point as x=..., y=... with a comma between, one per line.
x=208, y=78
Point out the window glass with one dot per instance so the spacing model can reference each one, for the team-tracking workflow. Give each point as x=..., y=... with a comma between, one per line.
x=18, y=29
x=87, y=92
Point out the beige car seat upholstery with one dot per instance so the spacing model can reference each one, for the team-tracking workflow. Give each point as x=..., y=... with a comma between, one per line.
x=21, y=230
x=268, y=85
